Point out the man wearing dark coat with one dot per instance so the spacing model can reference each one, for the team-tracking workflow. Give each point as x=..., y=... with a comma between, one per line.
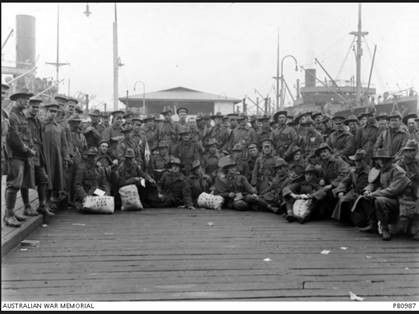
x=393, y=138
x=20, y=148
x=341, y=140
x=284, y=136
x=380, y=201
x=210, y=158
x=174, y=187
x=198, y=181
x=234, y=187
x=130, y=172
x=89, y=177
x=349, y=189
x=41, y=177
x=263, y=171
x=113, y=132
x=186, y=150
x=366, y=136
x=409, y=201
x=93, y=133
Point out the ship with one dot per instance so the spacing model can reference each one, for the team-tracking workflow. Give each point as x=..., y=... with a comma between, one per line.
x=350, y=97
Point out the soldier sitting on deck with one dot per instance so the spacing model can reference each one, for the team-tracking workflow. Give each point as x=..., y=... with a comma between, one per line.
x=351, y=187
x=130, y=172
x=272, y=195
x=199, y=182
x=89, y=177
x=409, y=201
x=381, y=197
x=234, y=187
x=174, y=187
x=309, y=189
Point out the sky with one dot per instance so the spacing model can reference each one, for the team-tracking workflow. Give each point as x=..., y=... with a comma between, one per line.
x=221, y=48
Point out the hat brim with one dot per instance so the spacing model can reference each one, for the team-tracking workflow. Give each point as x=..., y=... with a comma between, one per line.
x=20, y=95
x=319, y=150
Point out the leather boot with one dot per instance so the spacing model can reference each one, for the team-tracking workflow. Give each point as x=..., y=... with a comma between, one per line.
x=44, y=210
x=386, y=233
x=29, y=211
x=9, y=217
x=11, y=222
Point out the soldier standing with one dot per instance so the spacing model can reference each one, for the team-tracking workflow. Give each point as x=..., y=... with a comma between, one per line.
x=56, y=151
x=366, y=136
x=219, y=132
x=20, y=149
x=309, y=139
x=341, y=140
x=151, y=131
x=180, y=125
x=186, y=150
x=244, y=134
x=210, y=158
x=413, y=131
x=395, y=137
x=113, y=132
x=241, y=161
x=284, y=136
x=4, y=127
x=264, y=131
x=41, y=177
x=160, y=162
x=252, y=156
x=93, y=133
x=263, y=171
x=167, y=131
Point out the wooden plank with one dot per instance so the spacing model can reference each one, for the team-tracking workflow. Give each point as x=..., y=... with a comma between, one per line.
x=173, y=254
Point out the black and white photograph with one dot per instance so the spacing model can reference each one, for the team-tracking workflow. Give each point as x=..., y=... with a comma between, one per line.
x=209, y=156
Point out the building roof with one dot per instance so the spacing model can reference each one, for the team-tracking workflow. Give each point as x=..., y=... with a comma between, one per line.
x=180, y=94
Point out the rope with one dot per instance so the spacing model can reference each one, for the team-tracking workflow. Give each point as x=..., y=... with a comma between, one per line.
x=378, y=74
x=344, y=60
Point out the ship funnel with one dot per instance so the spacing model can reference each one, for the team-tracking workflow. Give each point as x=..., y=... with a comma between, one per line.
x=310, y=78
x=25, y=41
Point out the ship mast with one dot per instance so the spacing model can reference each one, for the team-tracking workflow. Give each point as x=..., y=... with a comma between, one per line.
x=358, y=54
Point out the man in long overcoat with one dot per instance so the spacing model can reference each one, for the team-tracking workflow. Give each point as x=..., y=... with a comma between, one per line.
x=56, y=151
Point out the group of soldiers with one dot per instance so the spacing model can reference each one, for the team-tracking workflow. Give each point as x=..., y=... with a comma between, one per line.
x=362, y=171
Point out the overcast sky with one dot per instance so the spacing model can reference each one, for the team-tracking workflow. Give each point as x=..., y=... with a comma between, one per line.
x=226, y=49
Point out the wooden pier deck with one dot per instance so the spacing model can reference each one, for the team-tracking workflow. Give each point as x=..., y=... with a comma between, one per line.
x=177, y=254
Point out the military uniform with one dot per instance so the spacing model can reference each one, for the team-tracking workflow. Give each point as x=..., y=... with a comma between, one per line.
x=244, y=135
x=210, y=163
x=198, y=182
x=366, y=137
x=352, y=186
x=175, y=188
x=20, y=170
x=41, y=177
x=382, y=201
x=187, y=152
x=88, y=178
x=342, y=143
x=234, y=188
x=283, y=138
x=263, y=171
